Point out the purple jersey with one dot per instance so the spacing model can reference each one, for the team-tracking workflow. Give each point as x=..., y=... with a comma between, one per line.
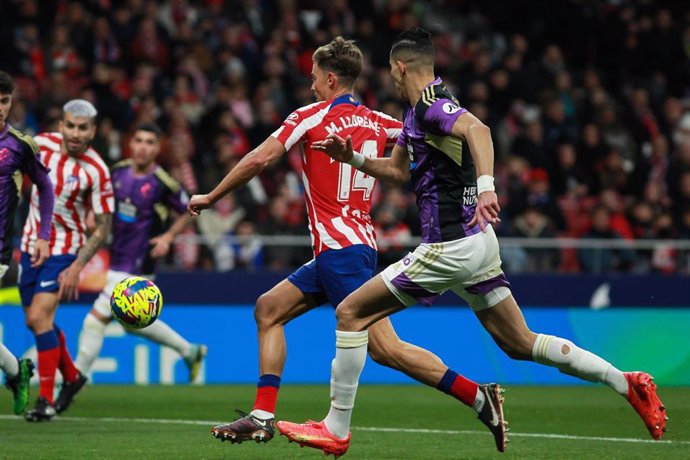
x=142, y=204
x=443, y=172
x=18, y=156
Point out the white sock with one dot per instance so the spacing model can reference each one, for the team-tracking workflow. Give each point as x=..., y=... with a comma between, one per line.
x=572, y=360
x=163, y=334
x=350, y=356
x=90, y=342
x=478, y=404
x=262, y=414
x=8, y=362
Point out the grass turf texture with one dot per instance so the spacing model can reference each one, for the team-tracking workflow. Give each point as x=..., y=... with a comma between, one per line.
x=173, y=422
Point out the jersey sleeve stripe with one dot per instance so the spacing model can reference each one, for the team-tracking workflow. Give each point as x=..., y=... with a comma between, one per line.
x=99, y=175
x=60, y=170
x=167, y=180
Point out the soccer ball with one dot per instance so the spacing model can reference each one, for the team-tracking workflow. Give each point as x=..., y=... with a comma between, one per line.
x=136, y=302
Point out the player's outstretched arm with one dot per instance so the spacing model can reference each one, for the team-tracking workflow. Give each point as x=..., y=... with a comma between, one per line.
x=248, y=167
x=478, y=136
x=395, y=169
x=69, y=277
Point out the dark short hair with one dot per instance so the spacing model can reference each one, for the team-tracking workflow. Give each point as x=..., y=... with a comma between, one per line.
x=341, y=57
x=149, y=128
x=6, y=83
x=414, y=44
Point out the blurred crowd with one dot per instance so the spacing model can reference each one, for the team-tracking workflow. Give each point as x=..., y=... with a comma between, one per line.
x=588, y=102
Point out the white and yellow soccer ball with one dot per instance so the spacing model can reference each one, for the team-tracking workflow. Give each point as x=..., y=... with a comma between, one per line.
x=136, y=302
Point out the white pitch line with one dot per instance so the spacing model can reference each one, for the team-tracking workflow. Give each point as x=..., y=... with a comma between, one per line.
x=163, y=421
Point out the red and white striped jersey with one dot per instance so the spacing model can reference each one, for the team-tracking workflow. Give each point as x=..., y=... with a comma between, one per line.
x=81, y=184
x=338, y=196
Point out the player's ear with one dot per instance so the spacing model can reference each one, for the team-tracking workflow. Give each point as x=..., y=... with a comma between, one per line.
x=402, y=67
x=332, y=80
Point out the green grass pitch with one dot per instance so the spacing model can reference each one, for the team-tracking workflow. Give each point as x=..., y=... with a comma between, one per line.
x=389, y=422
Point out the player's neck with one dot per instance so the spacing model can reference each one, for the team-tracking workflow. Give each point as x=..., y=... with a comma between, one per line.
x=143, y=169
x=341, y=92
x=415, y=84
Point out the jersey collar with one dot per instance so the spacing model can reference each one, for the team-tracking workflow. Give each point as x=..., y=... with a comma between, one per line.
x=344, y=99
x=4, y=130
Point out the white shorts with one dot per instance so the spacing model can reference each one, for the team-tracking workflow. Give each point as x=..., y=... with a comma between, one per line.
x=3, y=270
x=102, y=303
x=470, y=267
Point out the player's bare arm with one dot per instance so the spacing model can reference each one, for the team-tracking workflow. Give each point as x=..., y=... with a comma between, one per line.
x=161, y=243
x=69, y=278
x=395, y=169
x=248, y=168
x=478, y=136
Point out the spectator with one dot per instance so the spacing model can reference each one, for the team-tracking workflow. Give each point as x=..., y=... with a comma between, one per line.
x=598, y=259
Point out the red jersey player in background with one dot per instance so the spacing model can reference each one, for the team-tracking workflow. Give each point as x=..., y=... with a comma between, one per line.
x=82, y=184
x=338, y=199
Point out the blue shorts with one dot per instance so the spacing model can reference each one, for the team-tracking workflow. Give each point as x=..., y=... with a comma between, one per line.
x=33, y=280
x=336, y=273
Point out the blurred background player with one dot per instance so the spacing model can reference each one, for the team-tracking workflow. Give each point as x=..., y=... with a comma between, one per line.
x=144, y=195
x=459, y=250
x=18, y=157
x=82, y=185
x=338, y=204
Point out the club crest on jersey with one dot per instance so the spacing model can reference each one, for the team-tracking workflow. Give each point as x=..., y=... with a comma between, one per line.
x=145, y=189
x=72, y=183
x=4, y=154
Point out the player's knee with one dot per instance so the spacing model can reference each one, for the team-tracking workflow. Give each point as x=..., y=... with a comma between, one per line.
x=266, y=311
x=93, y=313
x=35, y=319
x=347, y=317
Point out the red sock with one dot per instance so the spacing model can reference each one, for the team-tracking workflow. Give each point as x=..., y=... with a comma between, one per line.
x=459, y=387
x=48, y=359
x=67, y=368
x=267, y=393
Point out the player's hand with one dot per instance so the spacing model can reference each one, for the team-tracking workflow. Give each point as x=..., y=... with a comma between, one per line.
x=487, y=210
x=69, y=282
x=335, y=147
x=41, y=252
x=198, y=203
x=161, y=245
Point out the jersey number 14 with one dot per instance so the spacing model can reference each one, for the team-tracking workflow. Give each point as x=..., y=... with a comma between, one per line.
x=361, y=182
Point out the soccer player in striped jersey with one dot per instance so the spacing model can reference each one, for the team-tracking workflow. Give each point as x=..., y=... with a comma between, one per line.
x=18, y=156
x=82, y=184
x=338, y=199
x=144, y=196
x=459, y=250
